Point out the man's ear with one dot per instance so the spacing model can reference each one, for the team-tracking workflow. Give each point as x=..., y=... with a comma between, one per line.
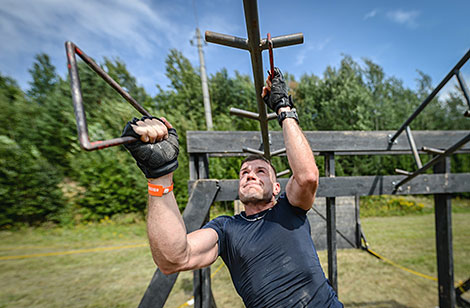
x=276, y=188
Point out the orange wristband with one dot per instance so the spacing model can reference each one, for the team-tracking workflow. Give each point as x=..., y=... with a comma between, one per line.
x=159, y=190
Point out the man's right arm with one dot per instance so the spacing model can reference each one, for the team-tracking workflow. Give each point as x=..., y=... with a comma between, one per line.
x=172, y=249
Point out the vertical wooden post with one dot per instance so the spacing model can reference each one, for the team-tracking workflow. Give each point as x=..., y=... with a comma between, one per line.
x=202, y=277
x=357, y=204
x=445, y=259
x=331, y=225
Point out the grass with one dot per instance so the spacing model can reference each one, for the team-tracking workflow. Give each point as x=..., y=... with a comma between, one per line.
x=118, y=278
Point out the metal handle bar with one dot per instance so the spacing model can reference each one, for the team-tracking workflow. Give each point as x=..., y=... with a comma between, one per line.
x=271, y=57
x=80, y=116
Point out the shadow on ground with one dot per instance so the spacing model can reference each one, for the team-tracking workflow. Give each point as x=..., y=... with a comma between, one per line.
x=379, y=304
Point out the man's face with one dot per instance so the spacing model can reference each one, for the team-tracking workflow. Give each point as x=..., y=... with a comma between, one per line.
x=257, y=182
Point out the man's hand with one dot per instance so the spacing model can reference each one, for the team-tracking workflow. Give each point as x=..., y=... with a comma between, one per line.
x=157, y=149
x=275, y=92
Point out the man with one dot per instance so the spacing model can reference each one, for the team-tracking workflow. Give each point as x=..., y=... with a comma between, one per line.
x=267, y=248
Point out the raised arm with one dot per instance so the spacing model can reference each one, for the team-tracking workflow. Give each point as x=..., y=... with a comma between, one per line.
x=156, y=154
x=303, y=183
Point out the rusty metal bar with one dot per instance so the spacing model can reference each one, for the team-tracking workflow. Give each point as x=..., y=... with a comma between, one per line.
x=271, y=56
x=431, y=96
x=403, y=172
x=433, y=150
x=252, y=151
x=283, y=40
x=279, y=174
x=242, y=43
x=80, y=116
x=279, y=152
x=249, y=114
x=252, y=29
x=255, y=46
x=226, y=40
x=244, y=113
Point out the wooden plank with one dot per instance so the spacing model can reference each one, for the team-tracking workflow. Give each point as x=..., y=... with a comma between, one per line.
x=230, y=143
x=345, y=223
x=424, y=184
x=158, y=290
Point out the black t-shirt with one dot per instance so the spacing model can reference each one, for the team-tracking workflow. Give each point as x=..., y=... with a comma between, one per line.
x=272, y=259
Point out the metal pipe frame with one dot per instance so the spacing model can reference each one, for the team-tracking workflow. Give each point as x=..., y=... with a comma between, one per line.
x=255, y=46
x=250, y=115
x=411, y=140
x=466, y=93
x=434, y=161
x=420, y=108
x=433, y=150
x=77, y=98
x=279, y=174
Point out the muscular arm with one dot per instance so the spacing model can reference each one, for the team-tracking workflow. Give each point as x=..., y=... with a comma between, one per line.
x=172, y=249
x=302, y=186
x=303, y=183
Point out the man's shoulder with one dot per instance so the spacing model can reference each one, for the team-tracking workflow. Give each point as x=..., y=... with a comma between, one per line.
x=283, y=202
x=219, y=222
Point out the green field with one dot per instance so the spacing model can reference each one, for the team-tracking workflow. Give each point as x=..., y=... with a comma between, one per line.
x=119, y=277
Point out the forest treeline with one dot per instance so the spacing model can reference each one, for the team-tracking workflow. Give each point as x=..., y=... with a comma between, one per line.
x=46, y=176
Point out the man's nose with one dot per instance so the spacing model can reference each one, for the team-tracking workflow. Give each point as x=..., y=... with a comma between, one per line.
x=251, y=175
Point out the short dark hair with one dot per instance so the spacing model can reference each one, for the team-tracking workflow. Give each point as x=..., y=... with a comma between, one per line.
x=252, y=157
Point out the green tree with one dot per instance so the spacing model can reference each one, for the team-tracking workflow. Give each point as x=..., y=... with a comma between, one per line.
x=29, y=185
x=44, y=80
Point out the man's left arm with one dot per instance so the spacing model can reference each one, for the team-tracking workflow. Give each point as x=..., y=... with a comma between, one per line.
x=303, y=183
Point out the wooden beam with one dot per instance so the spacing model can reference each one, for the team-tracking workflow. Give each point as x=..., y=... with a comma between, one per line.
x=444, y=252
x=424, y=184
x=331, y=226
x=230, y=143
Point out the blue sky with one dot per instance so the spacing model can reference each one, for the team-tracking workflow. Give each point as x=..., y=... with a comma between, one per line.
x=400, y=36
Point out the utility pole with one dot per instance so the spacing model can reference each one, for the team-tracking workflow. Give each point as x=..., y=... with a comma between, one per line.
x=205, y=87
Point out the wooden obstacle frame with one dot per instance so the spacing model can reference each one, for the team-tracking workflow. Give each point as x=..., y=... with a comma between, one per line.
x=203, y=192
x=202, y=144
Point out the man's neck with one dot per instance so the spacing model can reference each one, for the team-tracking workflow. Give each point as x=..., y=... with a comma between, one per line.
x=254, y=208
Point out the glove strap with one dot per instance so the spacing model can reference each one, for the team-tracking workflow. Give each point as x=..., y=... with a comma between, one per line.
x=288, y=114
x=159, y=190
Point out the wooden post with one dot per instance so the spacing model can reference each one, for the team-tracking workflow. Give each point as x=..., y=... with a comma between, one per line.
x=331, y=225
x=445, y=259
x=202, y=277
x=357, y=203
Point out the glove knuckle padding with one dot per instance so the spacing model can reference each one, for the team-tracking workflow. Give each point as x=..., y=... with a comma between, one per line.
x=154, y=159
x=278, y=97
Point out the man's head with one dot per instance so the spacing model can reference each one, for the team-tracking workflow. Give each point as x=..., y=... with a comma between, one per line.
x=257, y=180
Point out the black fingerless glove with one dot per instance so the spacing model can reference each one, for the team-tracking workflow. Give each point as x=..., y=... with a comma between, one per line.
x=278, y=96
x=154, y=159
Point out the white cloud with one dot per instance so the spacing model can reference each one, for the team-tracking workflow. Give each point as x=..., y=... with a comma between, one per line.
x=139, y=31
x=407, y=18
x=309, y=48
x=126, y=22
x=371, y=14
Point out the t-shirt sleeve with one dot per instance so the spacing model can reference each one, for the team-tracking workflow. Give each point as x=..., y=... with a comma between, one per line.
x=297, y=210
x=218, y=224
